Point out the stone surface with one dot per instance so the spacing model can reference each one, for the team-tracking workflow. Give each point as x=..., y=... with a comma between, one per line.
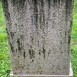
x=25, y=75
x=39, y=34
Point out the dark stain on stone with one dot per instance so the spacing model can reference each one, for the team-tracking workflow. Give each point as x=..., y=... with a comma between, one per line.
x=42, y=4
x=15, y=23
x=21, y=25
x=39, y=53
x=16, y=50
x=21, y=36
x=19, y=3
x=12, y=34
x=31, y=52
x=24, y=54
x=43, y=19
x=42, y=7
x=61, y=42
x=41, y=72
x=59, y=1
x=36, y=21
x=32, y=60
x=67, y=7
x=54, y=1
x=7, y=31
x=35, y=6
x=39, y=50
x=18, y=55
x=42, y=15
x=19, y=45
x=59, y=68
x=38, y=16
x=36, y=12
x=71, y=23
x=12, y=47
x=49, y=2
x=65, y=33
x=69, y=39
x=61, y=52
x=44, y=52
x=53, y=72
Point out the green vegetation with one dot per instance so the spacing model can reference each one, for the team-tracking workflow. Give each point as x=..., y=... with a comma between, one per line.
x=74, y=40
x=5, y=63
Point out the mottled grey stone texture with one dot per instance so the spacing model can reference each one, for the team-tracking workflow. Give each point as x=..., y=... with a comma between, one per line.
x=41, y=75
x=39, y=34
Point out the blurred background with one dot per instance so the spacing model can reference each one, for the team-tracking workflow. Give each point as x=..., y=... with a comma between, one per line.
x=5, y=63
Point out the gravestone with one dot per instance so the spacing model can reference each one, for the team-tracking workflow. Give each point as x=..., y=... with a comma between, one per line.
x=39, y=33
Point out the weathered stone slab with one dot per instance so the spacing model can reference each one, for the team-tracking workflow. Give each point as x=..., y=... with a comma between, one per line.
x=39, y=34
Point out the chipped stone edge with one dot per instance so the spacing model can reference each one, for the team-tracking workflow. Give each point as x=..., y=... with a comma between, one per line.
x=31, y=75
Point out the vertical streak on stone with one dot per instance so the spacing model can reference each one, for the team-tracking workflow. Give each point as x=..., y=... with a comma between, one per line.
x=31, y=53
x=71, y=6
x=59, y=2
x=67, y=7
x=24, y=54
x=19, y=45
x=49, y=3
x=43, y=27
x=69, y=21
x=12, y=47
x=44, y=52
x=49, y=7
x=35, y=2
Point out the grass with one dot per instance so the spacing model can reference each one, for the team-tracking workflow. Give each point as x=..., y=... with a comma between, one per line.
x=5, y=63
x=74, y=40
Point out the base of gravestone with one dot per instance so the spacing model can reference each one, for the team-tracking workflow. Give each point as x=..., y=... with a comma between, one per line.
x=26, y=75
